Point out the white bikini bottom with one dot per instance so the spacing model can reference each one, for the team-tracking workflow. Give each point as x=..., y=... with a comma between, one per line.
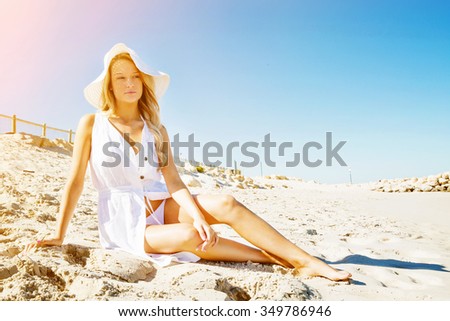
x=157, y=217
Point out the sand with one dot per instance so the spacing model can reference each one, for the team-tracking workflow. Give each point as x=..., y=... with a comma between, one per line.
x=395, y=245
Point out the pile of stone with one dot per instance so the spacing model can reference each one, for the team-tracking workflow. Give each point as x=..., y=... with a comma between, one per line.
x=278, y=177
x=222, y=177
x=432, y=183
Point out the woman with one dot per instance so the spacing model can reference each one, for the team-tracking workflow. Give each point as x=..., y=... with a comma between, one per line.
x=144, y=206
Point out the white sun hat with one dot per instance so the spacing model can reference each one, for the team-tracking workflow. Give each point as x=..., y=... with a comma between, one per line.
x=94, y=90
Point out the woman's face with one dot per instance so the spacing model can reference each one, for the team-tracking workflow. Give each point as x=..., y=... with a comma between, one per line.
x=126, y=81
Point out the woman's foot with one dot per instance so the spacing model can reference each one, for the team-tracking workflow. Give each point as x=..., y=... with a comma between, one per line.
x=317, y=267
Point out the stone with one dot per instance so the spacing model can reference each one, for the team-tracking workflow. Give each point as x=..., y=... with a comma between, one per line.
x=432, y=182
x=248, y=180
x=426, y=188
x=191, y=181
x=442, y=181
x=240, y=185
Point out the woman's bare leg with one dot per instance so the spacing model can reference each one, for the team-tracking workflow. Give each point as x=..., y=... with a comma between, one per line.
x=160, y=239
x=226, y=209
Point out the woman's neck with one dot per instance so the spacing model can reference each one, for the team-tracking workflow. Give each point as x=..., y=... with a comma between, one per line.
x=126, y=112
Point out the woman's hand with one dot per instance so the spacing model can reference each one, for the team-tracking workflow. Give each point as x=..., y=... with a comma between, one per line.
x=40, y=243
x=207, y=234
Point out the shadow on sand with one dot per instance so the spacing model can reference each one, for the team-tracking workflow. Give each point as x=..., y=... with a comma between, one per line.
x=365, y=260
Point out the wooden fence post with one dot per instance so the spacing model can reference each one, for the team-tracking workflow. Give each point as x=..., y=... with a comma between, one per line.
x=14, y=124
x=70, y=136
x=44, y=129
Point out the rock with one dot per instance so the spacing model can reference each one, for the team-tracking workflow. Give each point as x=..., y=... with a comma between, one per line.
x=191, y=181
x=426, y=188
x=214, y=172
x=248, y=180
x=194, y=183
x=432, y=182
x=240, y=185
x=311, y=232
x=442, y=181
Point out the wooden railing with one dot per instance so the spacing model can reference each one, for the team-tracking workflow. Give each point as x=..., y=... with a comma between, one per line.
x=44, y=127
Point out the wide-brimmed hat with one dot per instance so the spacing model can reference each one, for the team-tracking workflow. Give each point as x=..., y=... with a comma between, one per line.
x=94, y=90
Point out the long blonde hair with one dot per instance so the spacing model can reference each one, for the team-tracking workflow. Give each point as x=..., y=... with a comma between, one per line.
x=147, y=105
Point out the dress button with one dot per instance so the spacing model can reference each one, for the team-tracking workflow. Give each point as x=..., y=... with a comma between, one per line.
x=142, y=176
x=145, y=158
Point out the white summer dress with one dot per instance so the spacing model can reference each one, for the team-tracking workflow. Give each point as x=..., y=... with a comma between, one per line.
x=122, y=179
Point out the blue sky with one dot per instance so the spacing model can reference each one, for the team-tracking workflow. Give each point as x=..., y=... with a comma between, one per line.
x=374, y=73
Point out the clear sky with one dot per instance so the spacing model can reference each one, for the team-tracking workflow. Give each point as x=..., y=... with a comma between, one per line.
x=374, y=73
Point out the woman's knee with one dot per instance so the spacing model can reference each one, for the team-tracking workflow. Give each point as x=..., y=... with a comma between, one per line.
x=188, y=237
x=226, y=208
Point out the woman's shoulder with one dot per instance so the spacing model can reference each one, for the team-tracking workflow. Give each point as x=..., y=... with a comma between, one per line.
x=86, y=123
x=88, y=118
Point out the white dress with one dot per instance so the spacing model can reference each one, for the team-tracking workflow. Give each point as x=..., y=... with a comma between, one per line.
x=122, y=179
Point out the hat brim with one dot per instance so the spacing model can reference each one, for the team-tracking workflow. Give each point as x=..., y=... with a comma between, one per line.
x=93, y=91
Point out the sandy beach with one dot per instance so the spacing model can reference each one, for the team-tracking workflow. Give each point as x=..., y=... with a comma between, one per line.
x=396, y=245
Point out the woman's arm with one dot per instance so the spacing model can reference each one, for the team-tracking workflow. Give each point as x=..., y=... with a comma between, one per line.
x=75, y=181
x=183, y=197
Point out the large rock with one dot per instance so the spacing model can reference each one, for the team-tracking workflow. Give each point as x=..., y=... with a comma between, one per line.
x=431, y=183
x=426, y=188
x=442, y=181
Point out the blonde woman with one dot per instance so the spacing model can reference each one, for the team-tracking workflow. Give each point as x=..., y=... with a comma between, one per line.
x=144, y=207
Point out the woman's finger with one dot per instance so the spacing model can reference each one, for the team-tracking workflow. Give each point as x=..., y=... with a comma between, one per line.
x=216, y=240
x=201, y=232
